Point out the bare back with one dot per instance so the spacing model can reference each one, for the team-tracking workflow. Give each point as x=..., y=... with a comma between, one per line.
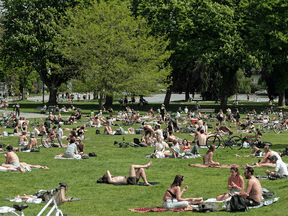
x=11, y=157
x=254, y=189
x=202, y=139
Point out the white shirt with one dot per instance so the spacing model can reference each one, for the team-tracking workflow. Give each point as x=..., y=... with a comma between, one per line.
x=277, y=155
x=177, y=115
x=160, y=133
x=186, y=110
x=281, y=168
x=59, y=132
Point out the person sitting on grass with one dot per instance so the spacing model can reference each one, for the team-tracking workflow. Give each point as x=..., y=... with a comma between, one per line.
x=253, y=193
x=160, y=148
x=280, y=169
x=71, y=150
x=23, y=139
x=235, y=184
x=31, y=144
x=109, y=130
x=173, y=196
x=201, y=138
x=59, y=132
x=133, y=178
x=266, y=161
x=207, y=158
x=12, y=161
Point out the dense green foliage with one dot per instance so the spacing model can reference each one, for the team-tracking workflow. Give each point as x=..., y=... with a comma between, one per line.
x=115, y=50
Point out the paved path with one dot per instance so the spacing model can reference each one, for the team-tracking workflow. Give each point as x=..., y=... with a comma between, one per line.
x=29, y=115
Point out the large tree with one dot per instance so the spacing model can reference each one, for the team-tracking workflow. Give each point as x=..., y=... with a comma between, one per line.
x=203, y=31
x=116, y=51
x=265, y=30
x=29, y=38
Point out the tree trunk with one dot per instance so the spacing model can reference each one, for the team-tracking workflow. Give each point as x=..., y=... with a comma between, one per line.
x=100, y=101
x=52, y=96
x=167, y=97
x=187, y=95
x=109, y=100
x=224, y=99
x=281, y=101
x=24, y=88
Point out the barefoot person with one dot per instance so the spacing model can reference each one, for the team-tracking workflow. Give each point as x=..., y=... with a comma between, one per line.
x=133, y=178
x=235, y=184
x=256, y=152
x=173, y=196
x=202, y=138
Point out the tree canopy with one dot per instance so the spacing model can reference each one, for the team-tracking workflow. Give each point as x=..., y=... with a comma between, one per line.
x=116, y=51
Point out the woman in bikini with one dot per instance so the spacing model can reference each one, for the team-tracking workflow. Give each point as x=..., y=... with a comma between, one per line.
x=172, y=197
x=235, y=184
x=186, y=146
x=207, y=159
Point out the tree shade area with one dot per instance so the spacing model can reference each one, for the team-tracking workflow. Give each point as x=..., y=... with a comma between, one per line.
x=136, y=46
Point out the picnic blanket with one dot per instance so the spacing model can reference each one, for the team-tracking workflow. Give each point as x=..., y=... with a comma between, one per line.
x=78, y=157
x=158, y=209
x=263, y=203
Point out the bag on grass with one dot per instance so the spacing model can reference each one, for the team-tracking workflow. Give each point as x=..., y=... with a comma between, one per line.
x=97, y=131
x=137, y=141
x=35, y=150
x=206, y=208
x=236, y=204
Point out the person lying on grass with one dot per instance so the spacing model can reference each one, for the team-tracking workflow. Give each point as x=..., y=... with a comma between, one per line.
x=235, y=184
x=256, y=152
x=173, y=196
x=266, y=161
x=253, y=193
x=280, y=169
x=12, y=161
x=133, y=178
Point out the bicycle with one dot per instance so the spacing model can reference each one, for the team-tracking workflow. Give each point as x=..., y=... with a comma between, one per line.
x=21, y=207
x=217, y=140
x=276, y=126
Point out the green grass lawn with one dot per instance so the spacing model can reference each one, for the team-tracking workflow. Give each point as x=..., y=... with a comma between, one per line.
x=105, y=199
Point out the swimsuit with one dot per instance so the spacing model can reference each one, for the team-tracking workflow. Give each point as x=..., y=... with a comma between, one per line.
x=238, y=182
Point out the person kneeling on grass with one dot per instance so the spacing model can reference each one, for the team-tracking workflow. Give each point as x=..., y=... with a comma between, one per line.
x=235, y=184
x=280, y=169
x=172, y=198
x=133, y=178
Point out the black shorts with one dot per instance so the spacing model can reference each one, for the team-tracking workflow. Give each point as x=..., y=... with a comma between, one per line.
x=147, y=132
x=132, y=180
x=250, y=202
x=258, y=153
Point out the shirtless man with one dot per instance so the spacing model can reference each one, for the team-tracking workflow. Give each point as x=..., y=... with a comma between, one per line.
x=31, y=144
x=133, y=178
x=253, y=194
x=201, y=138
x=12, y=159
x=23, y=139
x=147, y=131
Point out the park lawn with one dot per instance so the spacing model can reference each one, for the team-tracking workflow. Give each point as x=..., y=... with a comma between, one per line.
x=105, y=199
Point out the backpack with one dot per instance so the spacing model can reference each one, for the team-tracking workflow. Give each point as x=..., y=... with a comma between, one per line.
x=237, y=203
x=97, y=131
x=206, y=208
x=118, y=132
x=136, y=140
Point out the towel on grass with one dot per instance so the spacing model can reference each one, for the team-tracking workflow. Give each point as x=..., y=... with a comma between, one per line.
x=221, y=166
x=263, y=203
x=158, y=209
x=78, y=157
